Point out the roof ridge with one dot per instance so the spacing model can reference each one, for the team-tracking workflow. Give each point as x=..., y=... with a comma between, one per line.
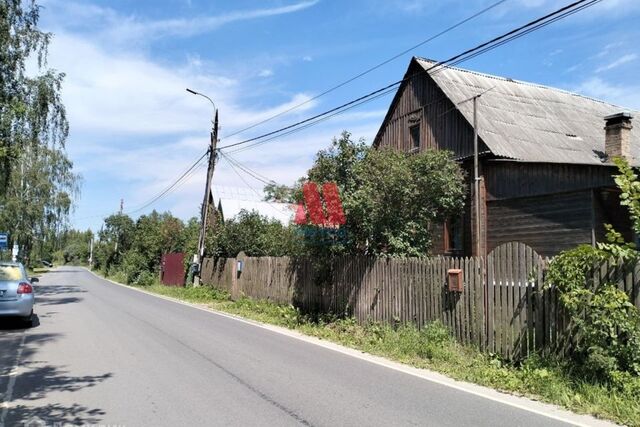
x=525, y=83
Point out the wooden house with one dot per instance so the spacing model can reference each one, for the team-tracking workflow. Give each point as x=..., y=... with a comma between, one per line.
x=544, y=157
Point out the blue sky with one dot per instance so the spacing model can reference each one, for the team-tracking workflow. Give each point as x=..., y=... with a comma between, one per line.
x=134, y=128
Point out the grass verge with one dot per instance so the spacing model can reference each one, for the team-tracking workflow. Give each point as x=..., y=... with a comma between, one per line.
x=432, y=347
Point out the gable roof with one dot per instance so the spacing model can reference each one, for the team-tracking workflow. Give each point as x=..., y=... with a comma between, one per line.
x=529, y=122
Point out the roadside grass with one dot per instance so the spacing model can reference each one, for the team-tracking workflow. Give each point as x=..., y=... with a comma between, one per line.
x=433, y=348
x=36, y=271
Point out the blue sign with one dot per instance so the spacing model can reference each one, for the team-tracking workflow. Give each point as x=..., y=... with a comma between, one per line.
x=4, y=241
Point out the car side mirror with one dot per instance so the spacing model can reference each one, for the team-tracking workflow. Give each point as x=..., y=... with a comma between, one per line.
x=34, y=280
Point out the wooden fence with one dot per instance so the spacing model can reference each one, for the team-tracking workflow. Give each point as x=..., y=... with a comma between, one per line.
x=503, y=308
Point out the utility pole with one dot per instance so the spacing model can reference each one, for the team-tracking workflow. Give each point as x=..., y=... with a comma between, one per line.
x=476, y=176
x=204, y=214
x=91, y=254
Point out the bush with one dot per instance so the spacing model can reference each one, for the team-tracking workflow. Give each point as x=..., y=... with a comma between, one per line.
x=605, y=324
x=134, y=266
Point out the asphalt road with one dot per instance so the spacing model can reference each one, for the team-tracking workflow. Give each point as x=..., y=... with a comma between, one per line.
x=105, y=354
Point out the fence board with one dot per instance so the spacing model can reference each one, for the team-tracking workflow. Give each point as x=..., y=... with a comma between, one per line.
x=504, y=307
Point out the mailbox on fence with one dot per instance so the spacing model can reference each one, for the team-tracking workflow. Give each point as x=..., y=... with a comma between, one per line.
x=455, y=279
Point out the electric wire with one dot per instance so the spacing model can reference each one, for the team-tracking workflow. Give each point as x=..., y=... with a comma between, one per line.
x=466, y=55
x=260, y=196
x=369, y=70
x=171, y=187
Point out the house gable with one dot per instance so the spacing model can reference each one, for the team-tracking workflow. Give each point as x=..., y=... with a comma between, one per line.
x=421, y=102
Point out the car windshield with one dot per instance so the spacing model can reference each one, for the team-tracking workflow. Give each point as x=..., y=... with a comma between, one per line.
x=10, y=272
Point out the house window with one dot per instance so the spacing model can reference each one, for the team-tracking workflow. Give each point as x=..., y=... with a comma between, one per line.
x=414, y=134
x=453, y=236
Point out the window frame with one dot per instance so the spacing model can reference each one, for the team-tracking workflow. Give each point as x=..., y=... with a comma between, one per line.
x=413, y=148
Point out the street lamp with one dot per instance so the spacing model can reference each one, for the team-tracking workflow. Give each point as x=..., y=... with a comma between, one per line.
x=193, y=92
x=207, y=191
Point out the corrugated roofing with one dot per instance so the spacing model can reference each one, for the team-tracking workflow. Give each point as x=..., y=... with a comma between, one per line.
x=529, y=122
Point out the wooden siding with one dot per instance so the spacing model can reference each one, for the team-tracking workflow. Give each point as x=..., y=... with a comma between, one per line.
x=549, y=224
x=506, y=179
x=441, y=124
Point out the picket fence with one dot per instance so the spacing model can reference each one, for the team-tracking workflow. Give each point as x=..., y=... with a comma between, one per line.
x=503, y=308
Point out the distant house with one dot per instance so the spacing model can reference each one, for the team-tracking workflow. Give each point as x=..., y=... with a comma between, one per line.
x=544, y=157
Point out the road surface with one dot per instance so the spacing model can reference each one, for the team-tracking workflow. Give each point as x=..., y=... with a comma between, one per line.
x=109, y=355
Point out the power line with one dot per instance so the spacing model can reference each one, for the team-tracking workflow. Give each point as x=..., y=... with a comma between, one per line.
x=158, y=195
x=172, y=186
x=466, y=55
x=256, y=175
x=261, y=197
x=369, y=70
x=308, y=125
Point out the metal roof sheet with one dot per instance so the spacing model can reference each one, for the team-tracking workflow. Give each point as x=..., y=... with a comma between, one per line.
x=530, y=122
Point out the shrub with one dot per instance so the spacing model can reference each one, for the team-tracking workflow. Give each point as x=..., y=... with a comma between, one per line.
x=605, y=324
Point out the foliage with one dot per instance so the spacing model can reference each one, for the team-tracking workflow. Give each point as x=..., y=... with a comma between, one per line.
x=391, y=200
x=628, y=183
x=37, y=184
x=606, y=324
x=282, y=193
x=131, y=250
x=253, y=234
x=75, y=247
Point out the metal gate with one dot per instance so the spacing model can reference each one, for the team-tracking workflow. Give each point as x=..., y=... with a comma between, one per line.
x=172, y=269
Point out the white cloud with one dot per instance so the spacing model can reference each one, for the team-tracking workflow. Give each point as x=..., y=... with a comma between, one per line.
x=122, y=93
x=307, y=58
x=618, y=62
x=117, y=28
x=265, y=73
x=627, y=96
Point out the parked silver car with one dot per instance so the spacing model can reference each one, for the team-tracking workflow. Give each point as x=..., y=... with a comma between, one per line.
x=16, y=291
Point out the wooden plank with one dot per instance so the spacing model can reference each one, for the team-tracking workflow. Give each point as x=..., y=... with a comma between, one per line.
x=529, y=301
x=508, y=304
x=522, y=289
x=491, y=306
x=471, y=296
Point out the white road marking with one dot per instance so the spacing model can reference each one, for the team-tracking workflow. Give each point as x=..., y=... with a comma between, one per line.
x=13, y=374
x=539, y=408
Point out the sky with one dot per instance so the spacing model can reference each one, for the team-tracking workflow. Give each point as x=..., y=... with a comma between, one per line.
x=134, y=129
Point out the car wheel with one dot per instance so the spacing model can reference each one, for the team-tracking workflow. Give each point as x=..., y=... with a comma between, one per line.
x=28, y=320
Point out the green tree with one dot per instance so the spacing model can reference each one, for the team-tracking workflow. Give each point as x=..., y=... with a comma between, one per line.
x=256, y=235
x=114, y=239
x=37, y=184
x=76, y=247
x=391, y=199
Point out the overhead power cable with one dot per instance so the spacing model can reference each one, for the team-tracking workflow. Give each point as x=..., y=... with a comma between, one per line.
x=468, y=54
x=308, y=125
x=255, y=175
x=162, y=193
x=172, y=186
x=260, y=196
x=369, y=70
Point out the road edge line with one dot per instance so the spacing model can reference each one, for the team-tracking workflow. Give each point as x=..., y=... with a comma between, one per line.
x=520, y=402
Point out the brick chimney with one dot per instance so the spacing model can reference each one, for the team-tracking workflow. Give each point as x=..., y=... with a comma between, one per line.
x=618, y=135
